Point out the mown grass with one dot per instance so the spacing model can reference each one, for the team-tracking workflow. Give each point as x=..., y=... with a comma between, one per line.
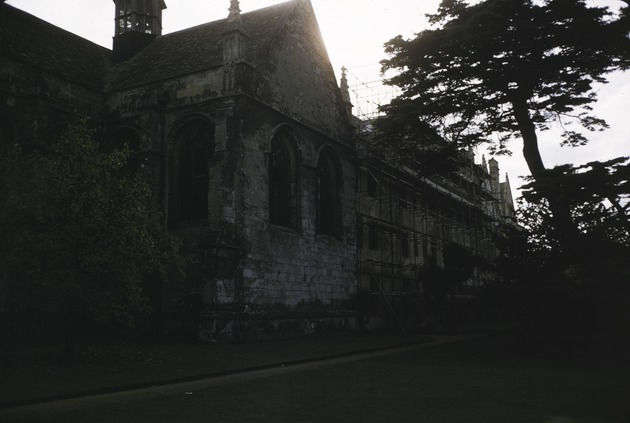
x=489, y=379
x=31, y=371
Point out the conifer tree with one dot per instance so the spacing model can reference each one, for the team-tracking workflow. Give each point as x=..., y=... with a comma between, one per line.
x=507, y=69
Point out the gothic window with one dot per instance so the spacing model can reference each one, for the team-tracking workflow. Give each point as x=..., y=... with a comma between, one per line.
x=373, y=236
x=404, y=244
x=283, y=181
x=328, y=195
x=416, y=251
x=404, y=197
x=193, y=147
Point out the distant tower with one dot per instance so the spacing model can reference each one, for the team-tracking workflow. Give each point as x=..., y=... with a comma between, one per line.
x=470, y=155
x=138, y=22
x=507, y=201
x=493, y=166
x=345, y=91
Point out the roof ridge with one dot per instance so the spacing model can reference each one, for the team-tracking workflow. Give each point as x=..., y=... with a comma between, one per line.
x=51, y=25
x=35, y=42
x=199, y=47
x=286, y=12
x=243, y=15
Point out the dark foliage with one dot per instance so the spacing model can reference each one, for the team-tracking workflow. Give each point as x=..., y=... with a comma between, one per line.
x=80, y=233
x=597, y=192
x=418, y=142
x=459, y=264
x=587, y=292
x=506, y=68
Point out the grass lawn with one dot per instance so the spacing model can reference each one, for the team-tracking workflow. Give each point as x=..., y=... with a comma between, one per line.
x=40, y=370
x=482, y=380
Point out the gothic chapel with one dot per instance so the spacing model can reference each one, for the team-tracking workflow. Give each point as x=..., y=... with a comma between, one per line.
x=290, y=222
x=247, y=140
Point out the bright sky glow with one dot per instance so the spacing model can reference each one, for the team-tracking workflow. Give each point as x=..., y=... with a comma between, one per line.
x=354, y=32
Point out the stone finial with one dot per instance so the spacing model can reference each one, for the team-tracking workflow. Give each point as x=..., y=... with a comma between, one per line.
x=343, y=75
x=235, y=11
x=234, y=37
x=345, y=90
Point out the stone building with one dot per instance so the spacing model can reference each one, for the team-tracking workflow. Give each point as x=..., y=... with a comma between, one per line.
x=410, y=224
x=247, y=140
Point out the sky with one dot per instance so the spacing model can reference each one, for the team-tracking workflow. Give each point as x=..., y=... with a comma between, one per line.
x=354, y=32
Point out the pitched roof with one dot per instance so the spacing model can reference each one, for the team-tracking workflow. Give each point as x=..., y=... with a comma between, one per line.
x=199, y=48
x=30, y=40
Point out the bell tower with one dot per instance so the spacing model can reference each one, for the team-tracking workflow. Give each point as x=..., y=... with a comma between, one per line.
x=138, y=22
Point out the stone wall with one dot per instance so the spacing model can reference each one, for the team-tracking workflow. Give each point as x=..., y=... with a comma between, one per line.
x=38, y=104
x=246, y=277
x=298, y=80
x=240, y=263
x=281, y=271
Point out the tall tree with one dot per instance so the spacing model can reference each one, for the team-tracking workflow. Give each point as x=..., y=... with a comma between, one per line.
x=598, y=194
x=80, y=233
x=506, y=69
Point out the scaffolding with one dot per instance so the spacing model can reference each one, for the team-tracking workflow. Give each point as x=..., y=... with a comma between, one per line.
x=368, y=96
x=406, y=219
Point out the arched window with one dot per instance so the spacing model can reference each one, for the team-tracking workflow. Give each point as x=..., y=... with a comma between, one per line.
x=283, y=198
x=194, y=144
x=328, y=195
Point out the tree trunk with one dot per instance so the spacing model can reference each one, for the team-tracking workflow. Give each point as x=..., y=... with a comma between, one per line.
x=530, y=139
x=620, y=210
x=566, y=230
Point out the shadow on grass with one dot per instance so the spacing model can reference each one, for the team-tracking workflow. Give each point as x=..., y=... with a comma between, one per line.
x=36, y=371
x=489, y=379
